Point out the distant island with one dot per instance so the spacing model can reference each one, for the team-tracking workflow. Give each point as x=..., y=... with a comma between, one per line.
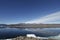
x=23, y=25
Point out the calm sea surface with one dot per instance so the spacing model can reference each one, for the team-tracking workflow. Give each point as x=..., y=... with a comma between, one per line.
x=42, y=32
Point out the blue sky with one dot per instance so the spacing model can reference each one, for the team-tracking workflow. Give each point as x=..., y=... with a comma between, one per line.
x=17, y=11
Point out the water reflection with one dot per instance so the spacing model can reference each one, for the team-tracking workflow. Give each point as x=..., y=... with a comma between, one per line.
x=15, y=32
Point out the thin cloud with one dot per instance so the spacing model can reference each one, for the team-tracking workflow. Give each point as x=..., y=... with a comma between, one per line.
x=47, y=19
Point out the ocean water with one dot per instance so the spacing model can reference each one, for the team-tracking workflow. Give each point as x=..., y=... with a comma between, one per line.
x=6, y=33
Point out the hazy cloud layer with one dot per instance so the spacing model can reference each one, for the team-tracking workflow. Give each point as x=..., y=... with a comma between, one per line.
x=51, y=18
